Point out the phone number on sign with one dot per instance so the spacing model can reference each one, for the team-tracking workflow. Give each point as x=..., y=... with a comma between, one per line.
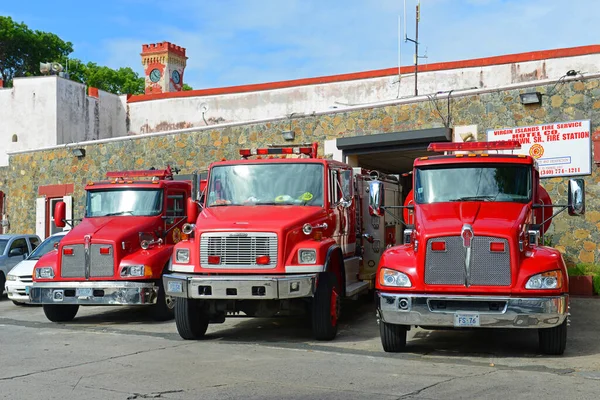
x=556, y=171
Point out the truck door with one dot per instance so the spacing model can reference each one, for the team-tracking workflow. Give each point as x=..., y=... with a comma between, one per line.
x=174, y=215
x=340, y=182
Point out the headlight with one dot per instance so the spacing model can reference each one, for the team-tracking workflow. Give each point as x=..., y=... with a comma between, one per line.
x=390, y=277
x=307, y=256
x=546, y=280
x=44, y=273
x=11, y=277
x=182, y=256
x=133, y=270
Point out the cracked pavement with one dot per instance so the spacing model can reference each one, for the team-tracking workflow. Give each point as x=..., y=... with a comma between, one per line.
x=120, y=353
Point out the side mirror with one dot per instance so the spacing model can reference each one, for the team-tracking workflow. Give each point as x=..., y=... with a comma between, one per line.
x=576, y=197
x=346, y=202
x=376, y=195
x=16, y=252
x=195, y=186
x=60, y=213
x=191, y=210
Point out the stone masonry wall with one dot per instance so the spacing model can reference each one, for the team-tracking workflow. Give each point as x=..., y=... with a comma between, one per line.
x=577, y=237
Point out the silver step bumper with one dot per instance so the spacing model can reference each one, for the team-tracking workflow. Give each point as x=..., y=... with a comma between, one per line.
x=240, y=287
x=97, y=293
x=488, y=311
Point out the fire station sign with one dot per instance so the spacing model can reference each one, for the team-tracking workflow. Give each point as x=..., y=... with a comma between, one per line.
x=561, y=148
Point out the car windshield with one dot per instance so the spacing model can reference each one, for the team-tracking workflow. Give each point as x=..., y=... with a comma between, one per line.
x=45, y=247
x=266, y=184
x=487, y=182
x=123, y=202
x=3, y=243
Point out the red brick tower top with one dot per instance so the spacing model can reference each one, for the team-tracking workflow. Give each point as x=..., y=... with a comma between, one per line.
x=164, y=64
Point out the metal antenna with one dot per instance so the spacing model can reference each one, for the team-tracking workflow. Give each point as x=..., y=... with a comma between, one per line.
x=415, y=41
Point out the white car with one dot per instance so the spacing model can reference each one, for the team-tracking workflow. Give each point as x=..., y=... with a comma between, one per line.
x=20, y=278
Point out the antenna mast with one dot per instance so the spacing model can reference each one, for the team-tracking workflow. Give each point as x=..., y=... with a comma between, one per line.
x=415, y=41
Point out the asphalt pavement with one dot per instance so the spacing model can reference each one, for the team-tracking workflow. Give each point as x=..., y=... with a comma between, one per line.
x=120, y=353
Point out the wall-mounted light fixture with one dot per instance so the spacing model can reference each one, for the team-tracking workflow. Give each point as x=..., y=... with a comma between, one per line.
x=531, y=98
x=79, y=153
x=288, y=135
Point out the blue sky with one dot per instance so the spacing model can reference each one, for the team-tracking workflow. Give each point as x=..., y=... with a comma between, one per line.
x=235, y=42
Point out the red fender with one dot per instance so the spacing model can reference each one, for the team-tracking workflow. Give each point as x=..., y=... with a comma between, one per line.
x=543, y=198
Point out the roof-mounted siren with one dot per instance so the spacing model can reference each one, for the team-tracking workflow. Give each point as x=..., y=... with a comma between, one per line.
x=150, y=173
x=451, y=147
x=309, y=150
x=52, y=68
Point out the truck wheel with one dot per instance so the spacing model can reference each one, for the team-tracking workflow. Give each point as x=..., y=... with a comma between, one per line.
x=393, y=337
x=553, y=340
x=326, y=307
x=191, y=320
x=164, y=309
x=60, y=313
x=2, y=282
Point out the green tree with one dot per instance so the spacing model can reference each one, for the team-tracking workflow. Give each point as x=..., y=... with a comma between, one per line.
x=119, y=81
x=22, y=49
x=186, y=87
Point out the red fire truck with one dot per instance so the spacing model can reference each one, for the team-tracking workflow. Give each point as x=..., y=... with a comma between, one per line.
x=279, y=236
x=117, y=254
x=474, y=257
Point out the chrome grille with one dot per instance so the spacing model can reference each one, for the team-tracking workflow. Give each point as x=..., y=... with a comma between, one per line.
x=238, y=249
x=487, y=268
x=101, y=264
x=73, y=266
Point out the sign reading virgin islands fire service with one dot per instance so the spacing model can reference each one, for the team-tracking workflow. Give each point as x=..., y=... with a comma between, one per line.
x=561, y=149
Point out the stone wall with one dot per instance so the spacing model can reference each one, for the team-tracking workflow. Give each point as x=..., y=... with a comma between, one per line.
x=577, y=237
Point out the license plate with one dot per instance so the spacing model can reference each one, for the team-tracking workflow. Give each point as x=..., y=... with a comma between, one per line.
x=466, y=319
x=27, y=290
x=84, y=292
x=173, y=286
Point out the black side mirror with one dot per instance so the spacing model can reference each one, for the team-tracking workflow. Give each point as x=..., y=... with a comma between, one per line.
x=576, y=196
x=16, y=252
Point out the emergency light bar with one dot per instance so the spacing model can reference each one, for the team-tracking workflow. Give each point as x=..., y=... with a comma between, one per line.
x=279, y=150
x=151, y=173
x=475, y=146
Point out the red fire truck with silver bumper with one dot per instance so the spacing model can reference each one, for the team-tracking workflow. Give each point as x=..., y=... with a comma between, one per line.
x=473, y=259
x=117, y=254
x=279, y=236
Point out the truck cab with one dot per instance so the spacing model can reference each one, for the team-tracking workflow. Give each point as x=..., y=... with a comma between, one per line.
x=473, y=257
x=275, y=236
x=117, y=254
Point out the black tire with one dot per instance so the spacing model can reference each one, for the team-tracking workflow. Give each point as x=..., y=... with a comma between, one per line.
x=164, y=309
x=393, y=337
x=326, y=307
x=16, y=303
x=190, y=318
x=2, y=282
x=553, y=341
x=60, y=313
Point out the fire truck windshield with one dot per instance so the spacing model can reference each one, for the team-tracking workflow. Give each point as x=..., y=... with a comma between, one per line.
x=473, y=182
x=114, y=202
x=266, y=184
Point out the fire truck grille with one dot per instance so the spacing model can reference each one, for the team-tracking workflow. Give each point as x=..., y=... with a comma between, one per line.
x=73, y=266
x=487, y=267
x=238, y=250
x=101, y=264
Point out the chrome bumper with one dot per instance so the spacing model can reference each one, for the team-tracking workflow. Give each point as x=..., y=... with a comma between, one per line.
x=94, y=293
x=240, y=287
x=492, y=311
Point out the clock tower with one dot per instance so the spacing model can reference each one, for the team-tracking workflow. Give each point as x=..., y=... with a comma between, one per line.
x=163, y=67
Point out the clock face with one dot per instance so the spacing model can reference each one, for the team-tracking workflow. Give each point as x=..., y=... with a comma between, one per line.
x=176, y=77
x=155, y=75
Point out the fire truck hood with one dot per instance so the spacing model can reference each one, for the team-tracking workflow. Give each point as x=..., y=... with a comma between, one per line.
x=259, y=218
x=114, y=229
x=486, y=218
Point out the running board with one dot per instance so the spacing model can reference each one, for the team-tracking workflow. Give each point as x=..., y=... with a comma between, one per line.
x=356, y=288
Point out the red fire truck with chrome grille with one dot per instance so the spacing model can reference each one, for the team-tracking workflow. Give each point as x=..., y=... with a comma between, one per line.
x=117, y=254
x=473, y=257
x=279, y=236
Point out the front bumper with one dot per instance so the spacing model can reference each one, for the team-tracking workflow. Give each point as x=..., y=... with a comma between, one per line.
x=97, y=293
x=16, y=291
x=240, y=287
x=491, y=311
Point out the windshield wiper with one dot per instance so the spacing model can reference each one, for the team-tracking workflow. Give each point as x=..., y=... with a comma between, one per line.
x=118, y=213
x=270, y=203
x=471, y=198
